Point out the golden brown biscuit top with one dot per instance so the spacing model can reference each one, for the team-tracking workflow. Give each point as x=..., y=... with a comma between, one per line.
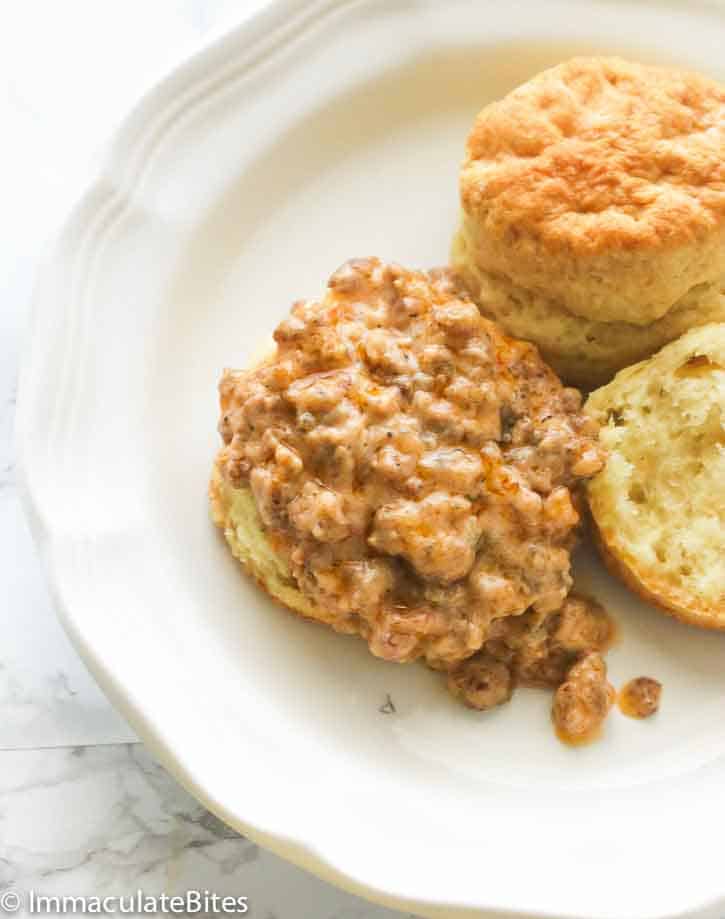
x=601, y=154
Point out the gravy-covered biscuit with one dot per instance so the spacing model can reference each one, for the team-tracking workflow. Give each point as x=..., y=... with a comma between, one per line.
x=400, y=469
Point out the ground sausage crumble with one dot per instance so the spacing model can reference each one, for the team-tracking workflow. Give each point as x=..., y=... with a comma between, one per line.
x=419, y=472
x=640, y=697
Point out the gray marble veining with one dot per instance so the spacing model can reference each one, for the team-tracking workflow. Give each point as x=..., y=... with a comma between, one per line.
x=107, y=821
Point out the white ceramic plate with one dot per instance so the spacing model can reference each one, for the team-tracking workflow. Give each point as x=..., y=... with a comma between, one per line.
x=317, y=132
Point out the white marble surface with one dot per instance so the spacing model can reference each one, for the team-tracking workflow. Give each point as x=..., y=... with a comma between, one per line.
x=83, y=809
x=108, y=821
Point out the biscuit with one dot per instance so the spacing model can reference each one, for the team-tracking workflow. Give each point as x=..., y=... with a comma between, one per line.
x=234, y=511
x=658, y=506
x=600, y=185
x=583, y=352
